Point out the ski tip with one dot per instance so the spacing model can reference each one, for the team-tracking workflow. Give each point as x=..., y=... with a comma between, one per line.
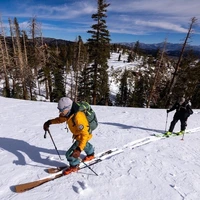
x=46, y=170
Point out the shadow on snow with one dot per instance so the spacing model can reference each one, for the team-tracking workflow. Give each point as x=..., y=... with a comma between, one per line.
x=124, y=126
x=18, y=147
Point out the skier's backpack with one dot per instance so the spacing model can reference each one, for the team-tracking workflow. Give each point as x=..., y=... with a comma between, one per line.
x=90, y=114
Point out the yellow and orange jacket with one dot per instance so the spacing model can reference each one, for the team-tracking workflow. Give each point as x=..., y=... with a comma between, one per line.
x=78, y=125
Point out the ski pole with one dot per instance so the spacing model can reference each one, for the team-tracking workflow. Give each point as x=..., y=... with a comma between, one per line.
x=88, y=166
x=166, y=123
x=53, y=142
x=183, y=135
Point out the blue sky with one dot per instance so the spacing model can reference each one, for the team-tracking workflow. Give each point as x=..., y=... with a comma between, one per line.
x=146, y=21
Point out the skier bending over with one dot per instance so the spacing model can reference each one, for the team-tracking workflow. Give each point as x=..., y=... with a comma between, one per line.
x=78, y=125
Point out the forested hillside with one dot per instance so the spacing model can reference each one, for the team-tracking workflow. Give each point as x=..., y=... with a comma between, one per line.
x=33, y=66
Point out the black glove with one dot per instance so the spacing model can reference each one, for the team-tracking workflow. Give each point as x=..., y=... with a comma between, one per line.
x=168, y=111
x=46, y=125
x=76, y=153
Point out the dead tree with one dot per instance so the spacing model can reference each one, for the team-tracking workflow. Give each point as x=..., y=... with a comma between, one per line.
x=175, y=74
x=158, y=66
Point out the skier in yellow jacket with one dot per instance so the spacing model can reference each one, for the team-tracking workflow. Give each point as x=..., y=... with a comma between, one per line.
x=78, y=125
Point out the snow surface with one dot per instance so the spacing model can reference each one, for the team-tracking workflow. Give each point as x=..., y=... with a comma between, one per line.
x=165, y=169
x=161, y=169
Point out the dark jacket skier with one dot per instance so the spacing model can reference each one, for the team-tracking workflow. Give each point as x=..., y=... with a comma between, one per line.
x=183, y=111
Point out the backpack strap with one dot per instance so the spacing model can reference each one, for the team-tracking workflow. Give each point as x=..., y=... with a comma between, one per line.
x=73, y=120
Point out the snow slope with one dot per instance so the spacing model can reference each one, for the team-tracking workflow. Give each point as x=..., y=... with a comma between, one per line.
x=161, y=170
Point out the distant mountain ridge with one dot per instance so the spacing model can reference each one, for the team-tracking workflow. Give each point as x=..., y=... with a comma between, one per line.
x=168, y=47
x=172, y=49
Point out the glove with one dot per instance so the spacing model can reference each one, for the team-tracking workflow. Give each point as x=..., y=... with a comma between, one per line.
x=46, y=125
x=168, y=111
x=76, y=153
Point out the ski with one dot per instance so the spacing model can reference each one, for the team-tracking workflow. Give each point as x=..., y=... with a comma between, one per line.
x=98, y=156
x=161, y=135
x=56, y=169
x=30, y=185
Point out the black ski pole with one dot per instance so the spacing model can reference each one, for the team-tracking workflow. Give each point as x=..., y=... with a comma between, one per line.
x=53, y=142
x=166, y=123
x=183, y=135
x=88, y=166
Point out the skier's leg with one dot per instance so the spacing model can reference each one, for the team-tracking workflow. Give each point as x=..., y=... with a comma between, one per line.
x=183, y=124
x=89, y=149
x=72, y=161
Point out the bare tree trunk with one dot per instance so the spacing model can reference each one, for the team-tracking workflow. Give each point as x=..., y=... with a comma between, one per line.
x=12, y=36
x=156, y=76
x=7, y=85
x=47, y=90
x=5, y=45
x=77, y=61
x=5, y=60
x=14, y=57
x=27, y=69
x=175, y=74
x=25, y=49
x=21, y=61
x=94, y=94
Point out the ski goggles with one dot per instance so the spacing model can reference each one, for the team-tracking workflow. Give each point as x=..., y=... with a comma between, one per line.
x=62, y=109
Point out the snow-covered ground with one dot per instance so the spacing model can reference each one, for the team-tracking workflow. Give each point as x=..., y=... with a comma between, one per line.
x=165, y=169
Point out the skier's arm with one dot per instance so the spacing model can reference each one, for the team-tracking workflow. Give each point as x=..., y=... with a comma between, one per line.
x=57, y=120
x=172, y=108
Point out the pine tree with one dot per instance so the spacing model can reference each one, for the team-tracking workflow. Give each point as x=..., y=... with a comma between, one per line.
x=122, y=96
x=99, y=52
x=52, y=73
x=79, y=61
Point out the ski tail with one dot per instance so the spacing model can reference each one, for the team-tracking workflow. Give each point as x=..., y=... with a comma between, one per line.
x=56, y=169
x=27, y=186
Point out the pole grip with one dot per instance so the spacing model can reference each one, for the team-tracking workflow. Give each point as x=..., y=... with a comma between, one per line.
x=45, y=135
